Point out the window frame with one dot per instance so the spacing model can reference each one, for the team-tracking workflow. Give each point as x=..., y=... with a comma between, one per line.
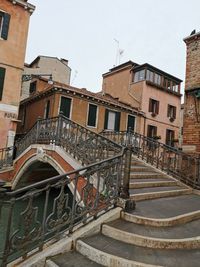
x=171, y=110
x=2, y=81
x=149, y=127
x=97, y=115
x=170, y=141
x=154, y=103
x=4, y=25
x=116, y=126
x=130, y=115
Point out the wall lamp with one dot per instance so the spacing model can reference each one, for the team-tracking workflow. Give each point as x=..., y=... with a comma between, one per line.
x=28, y=77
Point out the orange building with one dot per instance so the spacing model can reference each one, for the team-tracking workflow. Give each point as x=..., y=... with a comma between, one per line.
x=151, y=90
x=14, y=24
x=92, y=110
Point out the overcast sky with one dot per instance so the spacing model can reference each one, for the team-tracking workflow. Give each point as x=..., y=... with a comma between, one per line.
x=83, y=31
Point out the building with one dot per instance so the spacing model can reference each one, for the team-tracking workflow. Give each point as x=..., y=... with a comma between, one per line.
x=92, y=110
x=151, y=90
x=53, y=67
x=14, y=24
x=191, y=121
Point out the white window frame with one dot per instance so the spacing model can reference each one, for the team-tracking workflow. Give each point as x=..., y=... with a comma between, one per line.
x=97, y=116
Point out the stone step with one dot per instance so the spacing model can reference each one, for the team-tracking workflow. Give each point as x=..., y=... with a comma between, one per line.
x=175, y=237
x=165, y=192
x=168, y=206
x=138, y=168
x=146, y=175
x=164, y=179
x=142, y=184
x=70, y=259
x=111, y=252
x=162, y=222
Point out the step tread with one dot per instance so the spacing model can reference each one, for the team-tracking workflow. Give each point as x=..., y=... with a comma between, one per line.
x=151, y=180
x=168, y=258
x=154, y=189
x=73, y=259
x=187, y=230
x=168, y=206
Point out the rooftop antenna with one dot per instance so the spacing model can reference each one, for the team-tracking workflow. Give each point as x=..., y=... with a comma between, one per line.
x=119, y=53
x=75, y=75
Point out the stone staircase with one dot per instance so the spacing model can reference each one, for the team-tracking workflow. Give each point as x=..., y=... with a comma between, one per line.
x=163, y=230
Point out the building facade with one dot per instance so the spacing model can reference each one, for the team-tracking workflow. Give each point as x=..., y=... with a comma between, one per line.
x=14, y=24
x=191, y=120
x=154, y=92
x=93, y=110
x=53, y=67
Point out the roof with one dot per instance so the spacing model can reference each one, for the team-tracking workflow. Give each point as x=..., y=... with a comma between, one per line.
x=192, y=36
x=24, y=4
x=146, y=65
x=105, y=99
x=122, y=66
x=38, y=58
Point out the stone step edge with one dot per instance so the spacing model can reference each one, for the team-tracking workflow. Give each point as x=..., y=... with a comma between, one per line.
x=107, y=259
x=163, y=222
x=150, y=242
x=50, y=263
x=135, y=185
x=154, y=195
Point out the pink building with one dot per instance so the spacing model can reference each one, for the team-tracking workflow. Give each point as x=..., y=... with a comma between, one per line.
x=154, y=92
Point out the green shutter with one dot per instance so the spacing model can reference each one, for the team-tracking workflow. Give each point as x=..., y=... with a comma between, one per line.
x=117, y=121
x=65, y=106
x=92, y=114
x=5, y=28
x=2, y=77
x=131, y=123
x=106, y=120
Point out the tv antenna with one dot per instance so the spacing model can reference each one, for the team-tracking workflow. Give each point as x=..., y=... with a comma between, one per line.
x=75, y=75
x=119, y=53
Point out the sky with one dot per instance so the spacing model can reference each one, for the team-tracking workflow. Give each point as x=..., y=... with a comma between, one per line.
x=89, y=33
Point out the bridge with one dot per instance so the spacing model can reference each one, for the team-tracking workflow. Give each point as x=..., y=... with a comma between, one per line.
x=64, y=177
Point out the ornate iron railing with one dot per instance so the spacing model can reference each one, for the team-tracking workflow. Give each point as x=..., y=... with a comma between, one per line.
x=37, y=213
x=6, y=157
x=171, y=160
x=83, y=144
x=34, y=214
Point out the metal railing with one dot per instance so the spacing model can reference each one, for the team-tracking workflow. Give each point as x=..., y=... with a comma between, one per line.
x=171, y=160
x=6, y=157
x=46, y=210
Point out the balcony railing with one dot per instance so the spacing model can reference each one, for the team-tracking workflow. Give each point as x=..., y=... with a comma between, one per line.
x=173, y=161
x=6, y=157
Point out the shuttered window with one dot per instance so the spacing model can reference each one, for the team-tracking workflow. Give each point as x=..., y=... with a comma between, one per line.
x=131, y=123
x=151, y=131
x=65, y=106
x=170, y=137
x=171, y=112
x=2, y=77
x=153, y=106
x=92, y=115
x=4, y=25
x=112, y=120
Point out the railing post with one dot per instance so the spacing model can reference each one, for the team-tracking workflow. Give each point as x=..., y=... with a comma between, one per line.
x=127, y=170
x=37, y=130
x=58, y=131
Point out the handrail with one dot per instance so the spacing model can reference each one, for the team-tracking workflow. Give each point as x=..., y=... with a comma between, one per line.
x=94, y=188
x=171, y=160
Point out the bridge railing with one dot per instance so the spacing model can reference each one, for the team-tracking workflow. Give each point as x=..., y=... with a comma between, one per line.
x=171, y=160
x=6, y=157
x=35, y=214
x=85, y=145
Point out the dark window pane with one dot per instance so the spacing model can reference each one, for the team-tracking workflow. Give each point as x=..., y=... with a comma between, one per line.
x=131, y=123
x=47, y=110
x=65, y=106
x=117, y=121
x=92, y=115
x=2, y=77
x=169, y=137
x=33, y=87
x=5, y=26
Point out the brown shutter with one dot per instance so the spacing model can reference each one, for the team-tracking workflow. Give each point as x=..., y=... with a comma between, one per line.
x=150, y=105
x=2, y=77
x=157, y=107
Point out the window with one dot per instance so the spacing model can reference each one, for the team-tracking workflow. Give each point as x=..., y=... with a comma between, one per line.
x=150, y=75
x=33, y=87
x=112, y=120
x=47, y=110
x=2, y=77
x=151, y=131
x=169, y=137
x=139, y=76
x=4, y=25
x=157, y=79
x=153, y=106
x=131, y=123
x=65, y=106
x=171, y=112
x=92, y=115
